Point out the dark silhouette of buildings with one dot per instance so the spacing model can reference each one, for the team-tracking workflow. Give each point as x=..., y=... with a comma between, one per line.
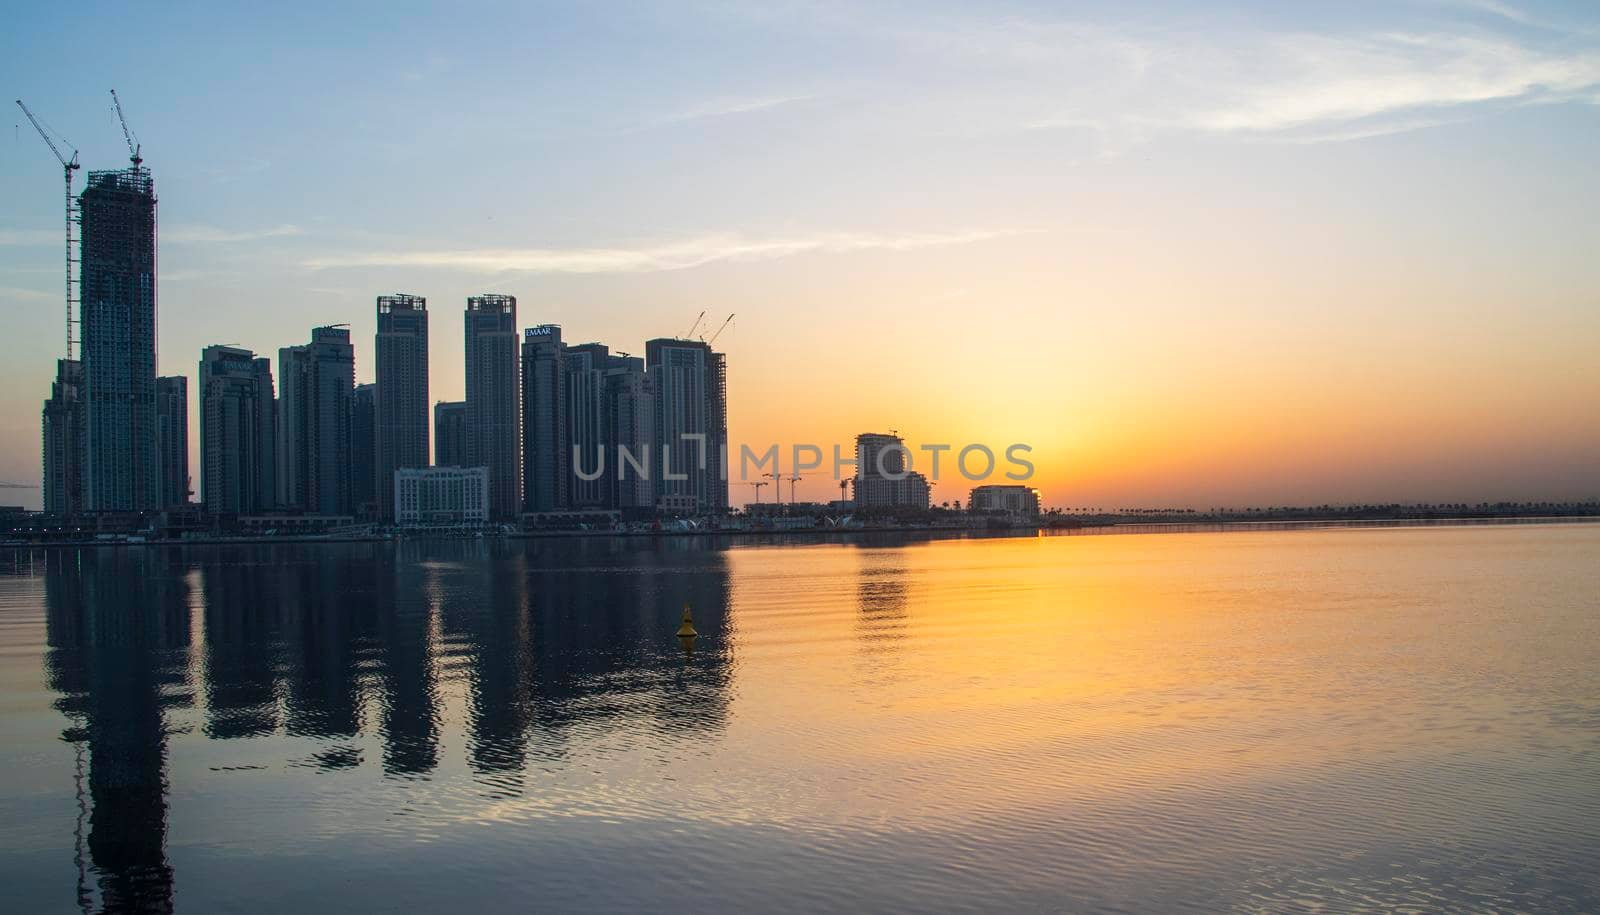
x=402, y=394
x=689, y=386
x=364, y=449
x=450, y=433
x=493, y=386
x=172, y=439
x=238, y=431
x=62, y=423
x=546, y=455
x=317, y=384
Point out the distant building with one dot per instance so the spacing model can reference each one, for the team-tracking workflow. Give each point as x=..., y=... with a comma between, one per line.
x=583, y=408
x=117, y=311
x=402, y=398
x=628, y=422
x=882, y=478
x=441, y=495
x=450, y=433
x=62, y=423
x=238, y=432
x=546, y=456
x=1017, y=501
x=587, y=436
x=689, y=388
x=494, y=420
x=172, y=438
x=364, y=450
x=317, y=382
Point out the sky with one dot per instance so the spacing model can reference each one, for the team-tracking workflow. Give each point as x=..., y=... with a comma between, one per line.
x=1193, y=254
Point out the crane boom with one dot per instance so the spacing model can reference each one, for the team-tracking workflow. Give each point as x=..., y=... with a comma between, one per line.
x=695, y=324
x=45, y=135
x=720, y=329
x=68, y=166
x=127, y=135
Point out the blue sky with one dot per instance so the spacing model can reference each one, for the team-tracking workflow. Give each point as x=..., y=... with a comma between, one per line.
x=1091, y=185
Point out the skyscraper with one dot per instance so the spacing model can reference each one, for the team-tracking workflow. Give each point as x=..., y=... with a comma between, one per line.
x=172, y=438
x=628, y=417
x=402, y=397
x=689, y=385
x=118, y=313
x=450, y=433
x=63, y=441
x=545, y=451
x=238, y=431
x=314, y=457
x=587, y=438
x=364, y=450
x=493, y=417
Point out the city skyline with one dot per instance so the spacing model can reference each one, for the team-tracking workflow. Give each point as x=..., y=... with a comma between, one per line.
x=1317, y=292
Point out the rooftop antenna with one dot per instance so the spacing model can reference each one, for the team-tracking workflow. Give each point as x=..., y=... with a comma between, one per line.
x=127, y=135
x=68, y=166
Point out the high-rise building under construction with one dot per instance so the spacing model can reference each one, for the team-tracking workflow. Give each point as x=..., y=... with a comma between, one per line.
x=121, y=465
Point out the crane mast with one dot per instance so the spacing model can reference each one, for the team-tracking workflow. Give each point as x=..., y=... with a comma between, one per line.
x=68, y=166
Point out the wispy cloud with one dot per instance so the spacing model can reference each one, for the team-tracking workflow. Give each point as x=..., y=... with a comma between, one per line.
x=14, y=292
x=1315, y=80
x=719, y=108
x=237, y=169
x=204, y=234
x=17, y=237
x=1118, y=84
x=680, y=255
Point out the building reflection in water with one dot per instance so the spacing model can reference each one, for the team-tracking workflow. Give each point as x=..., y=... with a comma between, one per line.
x=547, y=642
x=117, y=637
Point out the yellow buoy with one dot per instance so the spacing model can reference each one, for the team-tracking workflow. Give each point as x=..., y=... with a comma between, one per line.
x=686, y=631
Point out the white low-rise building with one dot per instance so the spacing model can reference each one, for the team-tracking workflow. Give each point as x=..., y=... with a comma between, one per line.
x=1017, y=501
x=441, y=495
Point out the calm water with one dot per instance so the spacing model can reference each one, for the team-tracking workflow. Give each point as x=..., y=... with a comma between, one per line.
x=1314, y=720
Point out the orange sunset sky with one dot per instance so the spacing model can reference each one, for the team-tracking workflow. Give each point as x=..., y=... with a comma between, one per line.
x=1278, y=257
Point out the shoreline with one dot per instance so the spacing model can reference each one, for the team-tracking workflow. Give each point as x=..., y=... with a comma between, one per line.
x=946, y=532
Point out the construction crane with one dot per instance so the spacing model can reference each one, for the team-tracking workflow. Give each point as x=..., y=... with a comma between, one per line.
x=68, y=166
x=127, y=135
x=723, y=326
x=702, y=317
x=793, y=480
x=757, y=486
x=777, y=484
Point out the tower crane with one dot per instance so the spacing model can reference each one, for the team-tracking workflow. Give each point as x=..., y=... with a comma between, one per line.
x=720, y=328
x=793, y=479
x=757, y=484
x=696, y=323
x=68, y=166
x=127, y=135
